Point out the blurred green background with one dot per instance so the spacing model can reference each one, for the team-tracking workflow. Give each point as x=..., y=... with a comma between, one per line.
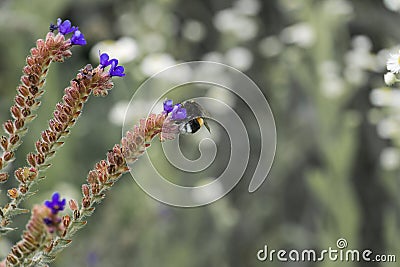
x=319, y=63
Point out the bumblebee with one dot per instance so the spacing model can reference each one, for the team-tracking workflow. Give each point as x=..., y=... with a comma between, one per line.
x=195, y=118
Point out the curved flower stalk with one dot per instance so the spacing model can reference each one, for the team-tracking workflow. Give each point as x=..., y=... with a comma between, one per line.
x=43, y=223
x=54, y=48
x=102, y=178
x=34, y=238
x=88, y=80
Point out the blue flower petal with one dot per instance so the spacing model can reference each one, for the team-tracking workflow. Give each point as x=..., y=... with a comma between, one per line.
x=65, y=27
x=168, y=105
x=104, y=60
x=178, y=113
x=55, y=204
x=117, y=71
x=78, y=38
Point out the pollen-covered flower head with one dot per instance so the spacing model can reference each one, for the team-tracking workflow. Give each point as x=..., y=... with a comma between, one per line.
x=393, y=63
x=55, y=204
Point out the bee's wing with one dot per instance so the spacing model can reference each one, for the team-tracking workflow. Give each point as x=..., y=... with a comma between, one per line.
x=194, y=110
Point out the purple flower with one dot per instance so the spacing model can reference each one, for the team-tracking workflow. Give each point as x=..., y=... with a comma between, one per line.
x=104, y=60
x=168, y=105
x=53, y=27
x=65, y=27
x=116, y=70
x=47, y=221
x=178, y=112
x=78, y=38
x=55, y=204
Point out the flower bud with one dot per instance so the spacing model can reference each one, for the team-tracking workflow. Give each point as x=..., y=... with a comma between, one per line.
x=9, y=127
x=85, y=190
x=26, y=112
x=92, y=177
x=33, y=90
x=14, y=139
x=16, y=112
x=39, y=159
x=20, y=101
x=86, y=202
x=3, y=177
x=13, y=193
x=8, y=155
x=23, y=90
x=390, y=78
x=4, y=142
x=19, y=123
x=73, y=205
x=66, y=221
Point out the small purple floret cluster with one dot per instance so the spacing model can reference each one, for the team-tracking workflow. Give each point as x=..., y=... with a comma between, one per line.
x=177, y=111
x=55, y=205
x=115, y=70
x=65, y=27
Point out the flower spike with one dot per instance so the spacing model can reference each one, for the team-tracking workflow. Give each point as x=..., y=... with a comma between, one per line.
x=65, y=27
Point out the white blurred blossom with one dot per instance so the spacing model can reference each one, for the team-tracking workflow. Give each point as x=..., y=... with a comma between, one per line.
x=154, y=63
x=231, y=21
x=359, y=59
x=214, y=57
x=393, y=5
x=239, y=57
x=152, y=14
x=338, y=7
x=383, y=97
x=360, y=55
x=125, y=49
x=153, y=42
x=301, y=34
x=270, y=46
x=390, y=158
x=193, y=30
x=332, y=84
x=117, y=113
x=388, y=128
x=247, y=7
